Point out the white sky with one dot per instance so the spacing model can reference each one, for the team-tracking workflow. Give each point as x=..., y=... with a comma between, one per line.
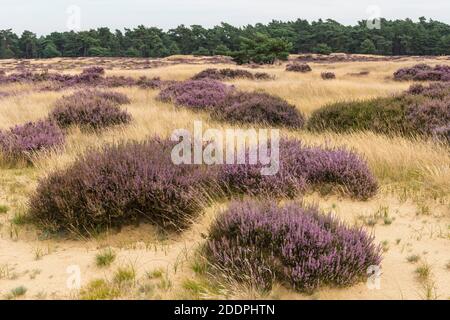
x=44, y=16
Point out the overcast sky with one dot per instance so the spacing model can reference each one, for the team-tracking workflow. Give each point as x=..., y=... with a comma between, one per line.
x=44, y=16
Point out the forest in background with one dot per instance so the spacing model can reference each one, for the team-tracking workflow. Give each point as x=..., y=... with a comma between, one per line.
x=395, y=37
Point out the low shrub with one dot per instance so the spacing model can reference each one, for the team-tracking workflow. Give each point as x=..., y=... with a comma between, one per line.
x=229, y=74
x=120, y=185
x=263, y=76
x=91, y=110
x=332, y=167
x=302, y=168
x=89, y=77
x=437, y=90
x=199, y=94
x=258, y=107
x=418, y=111
x=426, y=117
x=423, y=72
x=381, y=115
x=328, y=75
x=298, y=67
x=19, y=142
x=258, y=243
x=130, y=182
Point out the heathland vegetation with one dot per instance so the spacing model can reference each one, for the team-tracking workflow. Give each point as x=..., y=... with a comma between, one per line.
x=363, y=177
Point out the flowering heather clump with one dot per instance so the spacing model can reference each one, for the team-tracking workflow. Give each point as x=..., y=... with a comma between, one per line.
x=336, y=167
x=302, y=168
x=228, y=74
x=93, y=76
x=247, y=179
x=328, y=75
x=116, y=98
x=298, y=67
x=430, y=115
x=259, y=107
x=437, y=90
x=258, y=243
x=423, y=72
x=91, y=109
x=195, y=93
x=22, y=140
x=121, y=185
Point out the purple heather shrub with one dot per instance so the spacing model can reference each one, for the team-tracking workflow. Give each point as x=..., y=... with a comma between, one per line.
x=436, y=90
x=22, y=140
x=91, y=109
x=322, y=167
x=258, y=243
x=93, y=76
x=259, y=107
x=298, y=67
x=302, y=168
x=328, y=75
x=423, y=72
x=247, y=179
x=430, y=115
x=121, y=185
x=199, y=94
x=229, y=74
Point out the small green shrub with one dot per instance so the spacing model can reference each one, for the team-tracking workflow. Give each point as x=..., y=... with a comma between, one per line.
x=105, y=258
x=99, y=290
x=4, y=209
x=124, y=275
x=381, y=115
x=17, y=292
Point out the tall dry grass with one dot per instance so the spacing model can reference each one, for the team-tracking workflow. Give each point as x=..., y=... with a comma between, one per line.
x=397, y=162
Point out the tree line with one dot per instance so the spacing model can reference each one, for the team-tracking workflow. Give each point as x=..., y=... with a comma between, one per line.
x=258, y=43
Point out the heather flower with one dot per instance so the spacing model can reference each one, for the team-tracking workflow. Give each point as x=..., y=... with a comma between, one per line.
x=92, y=77
x=430, y=115
x=229, y=74
x=302, y=168
x=21, y=141
x=121, y=185
x=423, y=72
x=91, y=109
x=196, y=93
x=258, y=107
x=258, y=243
